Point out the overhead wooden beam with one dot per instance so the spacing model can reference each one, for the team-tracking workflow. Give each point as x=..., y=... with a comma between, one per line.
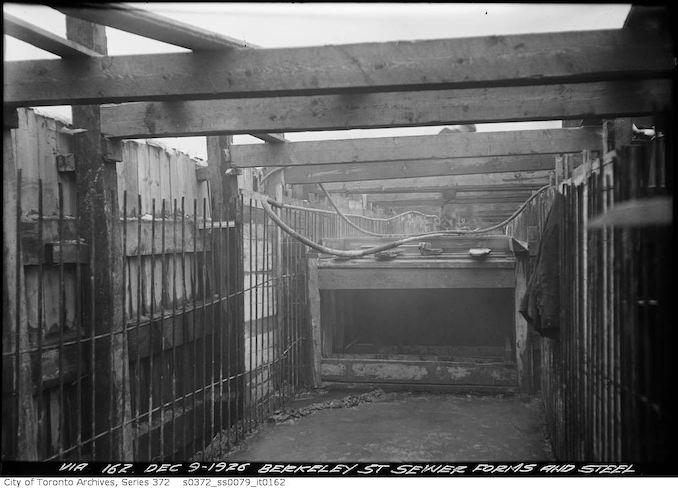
x=266, y=137
x=141, y=22
x=463, y=194
x=144, y=23
x=460, y=200
x=427, y=200
x=525, y=59
x=439, y=146
x=398, y=109
x=433, y=184
x=412, y=169
x=43, y=39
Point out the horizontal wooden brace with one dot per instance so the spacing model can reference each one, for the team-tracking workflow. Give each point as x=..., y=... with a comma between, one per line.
x=143, y=23
x=169, y=329
x=271, y=138
x=502, y=206
x=461, y=199
x=439, y=146
x=370, y=278
x=412, y=371
x=459, y=167
x=424, y=185
x=137, y=21
x=375, y=110
x=473, y=62
x=152, y=244
x=43, y=39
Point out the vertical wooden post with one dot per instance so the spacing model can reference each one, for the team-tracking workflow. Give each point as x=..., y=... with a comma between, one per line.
x=315, y=344
x=97, y=185
x=21, y=423
x=224, y=191
x=274, y=187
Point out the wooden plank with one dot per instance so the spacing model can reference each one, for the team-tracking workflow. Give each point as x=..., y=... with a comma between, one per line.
x=396, y=109
x=373, y=278
x=97, y=186
x=147, y=24
x=215, y=174
x=524, y=59
x=424, y=185
x=469, y=198
x=143, y=246
x=413, y=371
x=43, y=39
x=131, y=169
x=440, y=146
x=271, y=138
x=469, y=167
x=143, y=23
x=513, y=167
x=457, y=259
x=145, y=178
x=19, y=418
x=372, y=351
x=315, y=344
x=405, y=200
x=154, y=163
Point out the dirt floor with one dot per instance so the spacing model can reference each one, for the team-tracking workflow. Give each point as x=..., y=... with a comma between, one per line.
x=399, y=427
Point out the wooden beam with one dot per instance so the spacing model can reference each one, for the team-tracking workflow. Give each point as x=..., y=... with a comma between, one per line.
x=143, y=23
x=315, y=344
x=271, y=138
x=470, y=199
x=43, y=39
x=406, y=169
x=367, y=370
x=475, y=62
x=439, y=146
x=431, y=184
x=398, y=109
x=509, y=196
x=410, y=200
x=393, y=275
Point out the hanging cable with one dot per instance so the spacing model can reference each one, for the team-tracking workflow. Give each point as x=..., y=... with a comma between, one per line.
x=266, y=204
x=346, y=219
x=477, y=231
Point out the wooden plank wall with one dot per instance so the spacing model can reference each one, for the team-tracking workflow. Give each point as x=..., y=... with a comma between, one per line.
x=36, y=143
x=40, y=146
x=606, y=377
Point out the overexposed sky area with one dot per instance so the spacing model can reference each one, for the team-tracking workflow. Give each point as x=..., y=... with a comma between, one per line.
x=308, y=24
